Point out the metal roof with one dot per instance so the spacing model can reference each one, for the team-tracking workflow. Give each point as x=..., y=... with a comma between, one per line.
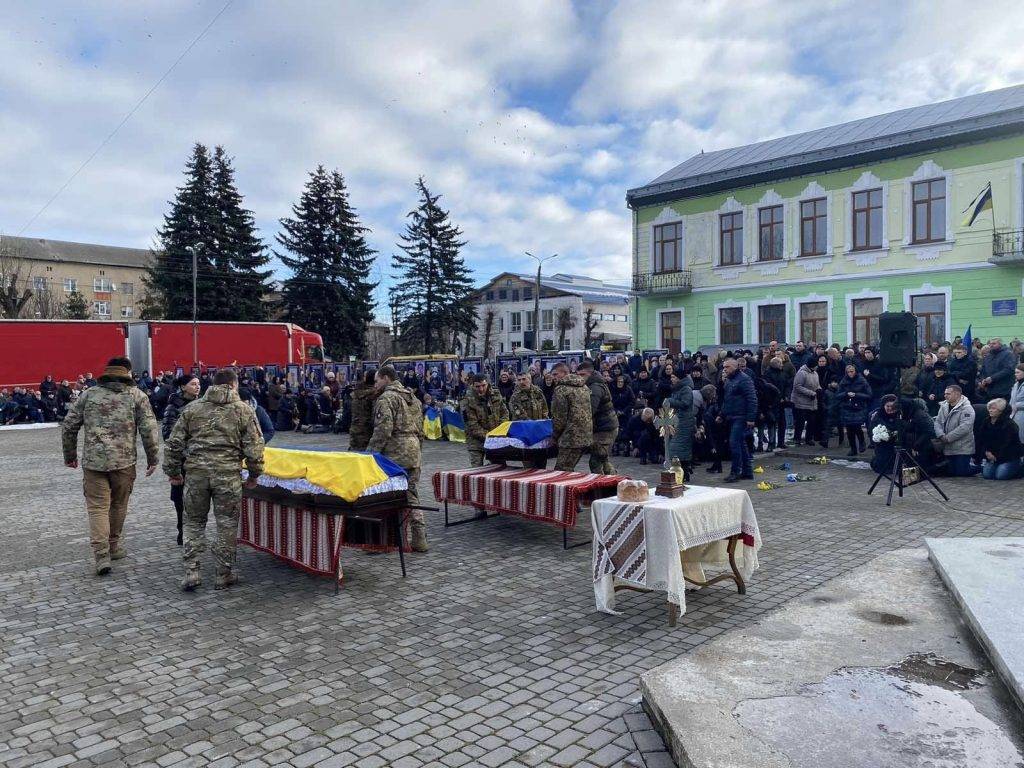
x=41, y=249
x=591, y=289
x=917, y=129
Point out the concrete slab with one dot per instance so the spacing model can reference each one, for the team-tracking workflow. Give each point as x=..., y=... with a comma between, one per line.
x=874, y=669
x=986, y=579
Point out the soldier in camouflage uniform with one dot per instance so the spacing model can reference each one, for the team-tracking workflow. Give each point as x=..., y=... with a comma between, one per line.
x=397, y=434
x=483, y=409
x=112, y=413
x=527, y=402
x=211, y=438
x=605, y=420
x=571, y=420
x=363, y=397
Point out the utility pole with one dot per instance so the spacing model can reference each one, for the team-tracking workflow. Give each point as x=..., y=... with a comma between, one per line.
x=536, y=298
x=195, y=327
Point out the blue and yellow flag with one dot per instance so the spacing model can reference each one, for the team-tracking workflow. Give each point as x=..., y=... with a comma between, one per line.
x=432, y=424
x=983, y=202
x=454, y=426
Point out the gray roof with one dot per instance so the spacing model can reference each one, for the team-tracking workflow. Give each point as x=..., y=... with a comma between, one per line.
x=41, y=249
x=592, y=290
x=906, y=131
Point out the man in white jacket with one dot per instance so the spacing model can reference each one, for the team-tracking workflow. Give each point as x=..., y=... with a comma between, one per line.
x=954, y=430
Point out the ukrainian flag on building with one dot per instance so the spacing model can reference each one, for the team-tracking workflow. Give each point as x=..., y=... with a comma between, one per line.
x=983, y=202
x=454, y=426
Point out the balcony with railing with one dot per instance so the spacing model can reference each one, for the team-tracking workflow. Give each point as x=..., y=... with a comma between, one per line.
x=646, y=283
x=1008, y=247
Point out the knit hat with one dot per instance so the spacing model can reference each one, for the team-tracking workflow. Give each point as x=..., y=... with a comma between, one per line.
x=888, y=399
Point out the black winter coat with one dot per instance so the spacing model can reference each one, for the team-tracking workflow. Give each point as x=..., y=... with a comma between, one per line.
x=1002, y=438
x=853, y=411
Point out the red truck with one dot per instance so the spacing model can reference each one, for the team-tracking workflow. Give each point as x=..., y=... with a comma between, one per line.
x=33, y=349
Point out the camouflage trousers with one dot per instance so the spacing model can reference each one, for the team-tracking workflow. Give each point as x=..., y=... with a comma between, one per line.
x=600, y=464
x=568, y=458
x=476, y=454
x=224, y=489
x=358, y=440
x=106, y=502
x=414, y=493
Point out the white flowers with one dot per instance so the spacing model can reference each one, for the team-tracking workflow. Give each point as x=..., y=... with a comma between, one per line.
x=880, y=434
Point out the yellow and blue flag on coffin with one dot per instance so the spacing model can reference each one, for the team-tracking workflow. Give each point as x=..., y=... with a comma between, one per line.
x=453, y=425
x=346, y=475
x=432, y=424
x=983, y=202
x=529, y=433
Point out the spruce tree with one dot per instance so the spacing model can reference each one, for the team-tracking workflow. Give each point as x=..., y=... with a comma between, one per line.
x=75, y=307
x=329, y=291
x=432, y=285
x=207, y=219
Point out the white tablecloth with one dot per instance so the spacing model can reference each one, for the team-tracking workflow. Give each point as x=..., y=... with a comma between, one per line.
x=639, y=544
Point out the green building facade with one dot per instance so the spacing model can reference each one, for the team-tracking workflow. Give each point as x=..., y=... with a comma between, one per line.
x=813, y=236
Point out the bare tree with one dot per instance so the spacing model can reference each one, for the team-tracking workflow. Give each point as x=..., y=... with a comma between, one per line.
x=15, y=281
x=46, y=304
x=565, y=322
x=589, y=324
x=489, y=316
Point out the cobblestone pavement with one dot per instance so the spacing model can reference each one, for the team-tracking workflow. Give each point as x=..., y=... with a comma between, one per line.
x=489, y=654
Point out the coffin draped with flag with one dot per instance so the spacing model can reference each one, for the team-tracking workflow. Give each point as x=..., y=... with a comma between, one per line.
x=309, y=504
x=520, y=441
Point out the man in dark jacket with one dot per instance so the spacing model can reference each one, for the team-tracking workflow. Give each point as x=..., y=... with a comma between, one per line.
x=739, y=409
x=996, y=374
x=606, y=422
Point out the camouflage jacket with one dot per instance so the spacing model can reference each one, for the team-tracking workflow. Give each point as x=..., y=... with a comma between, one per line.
x=363, y=397
x=482, y=414
x=397, y=425
x=215, y=433
x=571, y=419
x=527, y=404
x=112, y=413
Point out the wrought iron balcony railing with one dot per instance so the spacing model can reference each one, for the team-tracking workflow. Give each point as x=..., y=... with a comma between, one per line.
x=662, y=282
x=1008, y=247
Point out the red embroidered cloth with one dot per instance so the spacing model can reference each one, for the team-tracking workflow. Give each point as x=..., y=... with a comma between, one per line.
x=302, y=537
x=551, y=496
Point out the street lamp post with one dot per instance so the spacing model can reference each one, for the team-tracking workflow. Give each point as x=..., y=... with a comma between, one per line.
x=194, y=249
x=536, y=298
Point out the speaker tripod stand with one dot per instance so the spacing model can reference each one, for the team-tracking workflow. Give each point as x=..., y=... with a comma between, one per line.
x=904, y=459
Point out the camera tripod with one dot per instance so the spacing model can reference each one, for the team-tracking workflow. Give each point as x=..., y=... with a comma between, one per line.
x=904, y=459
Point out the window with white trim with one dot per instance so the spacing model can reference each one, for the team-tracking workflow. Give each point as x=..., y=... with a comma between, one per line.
x=770, y=233
x=39, y=284
x=547, y=319
x=865, y=314
x=813, y=226
x=730, y=325
x=771, y=323
x=101, y=308
x=929, y=211
x=668, y=240
x=867, y=219
x=127, y=311
x=730, y=238
x=516, y=319
x=70, y=285
x=102, y=285
x=814, y=322
x=128, y=288
x=930, y=309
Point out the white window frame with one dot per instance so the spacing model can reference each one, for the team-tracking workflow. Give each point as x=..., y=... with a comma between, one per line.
x=771, y=199
x=732, y=305
x=927, y=289
x=131, y=285
x=729, y=271
x=755, y=318
x=39, y=284
x=667, y=216
x=127, y=311
x=865, y=294
x=515, y=322
x=73, y=283
x=812, y=298
x=547, y=320
x=927, y=171
x=682, y=326
x=867, y=257
x=98, y=284
x=96, y=305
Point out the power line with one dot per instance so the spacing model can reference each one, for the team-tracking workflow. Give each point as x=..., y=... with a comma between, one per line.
x=127, y=117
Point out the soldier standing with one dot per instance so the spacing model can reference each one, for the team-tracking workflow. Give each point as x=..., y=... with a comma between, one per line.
x=112, y=413
x=483, y=409
x=211, y=438
x=605, y=421
x=397, y=434
x=571, y=421
x=527, y=402
x=363, y=397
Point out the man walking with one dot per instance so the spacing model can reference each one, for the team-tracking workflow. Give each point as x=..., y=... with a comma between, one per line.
x=210, y=440
x=571, y=421
x=112, y=412
x=398, y=434
x=483, y=409
x=739, y=409
x=604, y=420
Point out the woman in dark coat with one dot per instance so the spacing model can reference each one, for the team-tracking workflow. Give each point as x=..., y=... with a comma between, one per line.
x=854, y=395
x=934, y=388
x=186, y=390
x=999, y=442
x=623, y=400
x=681, y=401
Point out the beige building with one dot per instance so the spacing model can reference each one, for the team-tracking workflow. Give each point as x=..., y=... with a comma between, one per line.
x=108, y=277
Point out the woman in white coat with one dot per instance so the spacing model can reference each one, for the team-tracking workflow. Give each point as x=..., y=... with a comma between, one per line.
x=1017, y=399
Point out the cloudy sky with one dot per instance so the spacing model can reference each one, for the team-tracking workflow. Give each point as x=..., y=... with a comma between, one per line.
x=531, y=118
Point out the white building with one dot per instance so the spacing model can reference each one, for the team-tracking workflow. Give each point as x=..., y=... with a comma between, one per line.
x=506, y=303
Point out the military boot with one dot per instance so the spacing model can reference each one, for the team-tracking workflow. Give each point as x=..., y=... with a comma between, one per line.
x=419, y=536
x=193, y=578
x=119, y=552
x=102, y=565
x=225, y=578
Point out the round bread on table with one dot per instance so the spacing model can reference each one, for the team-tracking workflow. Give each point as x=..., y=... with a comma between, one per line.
x=632, y=490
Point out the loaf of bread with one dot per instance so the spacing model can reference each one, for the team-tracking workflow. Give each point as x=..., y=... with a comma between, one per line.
x=632, y=490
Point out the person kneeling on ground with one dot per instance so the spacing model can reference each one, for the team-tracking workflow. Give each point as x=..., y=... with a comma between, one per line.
x=999, y=442
x=954, y=430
